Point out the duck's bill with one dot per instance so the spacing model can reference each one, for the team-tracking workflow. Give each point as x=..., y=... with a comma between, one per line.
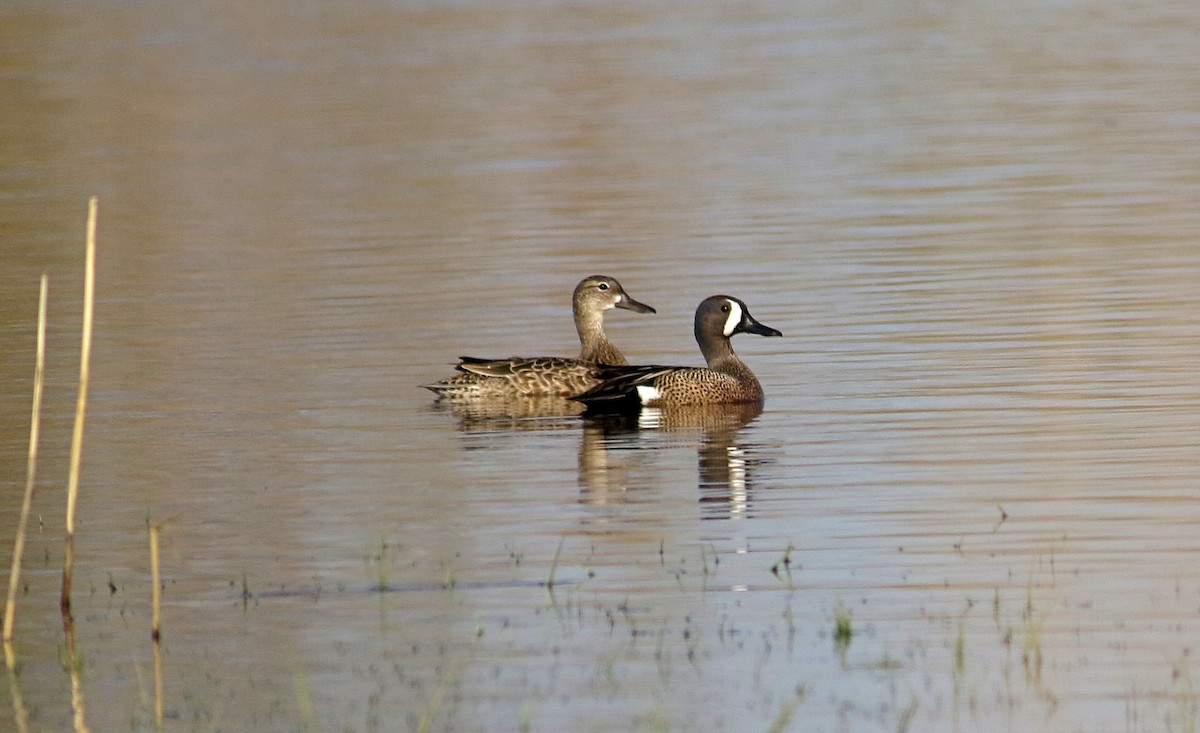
x=755, y=327
x=630, y=304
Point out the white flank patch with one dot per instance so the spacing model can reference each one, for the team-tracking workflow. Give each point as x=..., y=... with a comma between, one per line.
x=735, y=318
x=647, y=394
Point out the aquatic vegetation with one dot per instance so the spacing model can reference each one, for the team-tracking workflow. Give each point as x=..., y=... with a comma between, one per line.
x=843, y=630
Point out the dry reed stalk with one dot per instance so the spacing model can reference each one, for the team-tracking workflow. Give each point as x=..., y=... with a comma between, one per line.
x=85, y=357
x=14, y=577
x=156, y=625
x=156, y=591
x=20, y=714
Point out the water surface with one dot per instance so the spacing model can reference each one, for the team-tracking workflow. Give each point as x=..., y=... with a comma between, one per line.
x=974, y=225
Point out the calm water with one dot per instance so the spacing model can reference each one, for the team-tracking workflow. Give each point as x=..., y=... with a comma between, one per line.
x=974, y=224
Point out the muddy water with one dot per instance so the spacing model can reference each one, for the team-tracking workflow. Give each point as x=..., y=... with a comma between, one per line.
x=974, y=226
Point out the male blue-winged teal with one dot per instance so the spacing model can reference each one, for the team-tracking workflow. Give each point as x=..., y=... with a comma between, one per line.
x=726, y=380
x=549, y=375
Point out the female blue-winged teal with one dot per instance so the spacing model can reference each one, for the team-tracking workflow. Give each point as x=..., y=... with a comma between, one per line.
x=549, y=375
x=727, y=379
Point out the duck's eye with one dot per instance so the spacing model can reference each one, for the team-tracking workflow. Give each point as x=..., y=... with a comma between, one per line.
x=602, y=286
x=725, y=308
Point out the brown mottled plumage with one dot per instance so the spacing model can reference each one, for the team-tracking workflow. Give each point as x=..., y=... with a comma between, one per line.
x=726, y=380
x=549, y=375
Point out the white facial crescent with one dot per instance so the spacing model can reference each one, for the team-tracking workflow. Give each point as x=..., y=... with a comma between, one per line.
x=735, y=318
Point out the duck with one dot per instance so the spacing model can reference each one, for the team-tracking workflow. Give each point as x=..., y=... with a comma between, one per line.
x=726, y=380
x=550, y=376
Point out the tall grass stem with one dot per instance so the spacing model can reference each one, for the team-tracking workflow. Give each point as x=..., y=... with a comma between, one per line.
x=39, y=372
x=85, y=358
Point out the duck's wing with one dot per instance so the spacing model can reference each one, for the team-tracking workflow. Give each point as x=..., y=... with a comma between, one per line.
x=620, y=384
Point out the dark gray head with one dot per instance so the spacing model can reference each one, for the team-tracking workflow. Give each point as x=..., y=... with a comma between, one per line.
x=726, y=315
x=598, y=293
x=720, y=317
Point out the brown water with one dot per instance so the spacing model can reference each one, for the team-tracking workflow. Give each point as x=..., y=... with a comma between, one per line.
x=974, y=224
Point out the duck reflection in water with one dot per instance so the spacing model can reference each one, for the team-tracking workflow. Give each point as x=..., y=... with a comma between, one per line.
x=519, y=414
x=613, y=447
x=725, y=468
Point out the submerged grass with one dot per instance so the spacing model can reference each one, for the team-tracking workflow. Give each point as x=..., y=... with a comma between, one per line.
x=960, y=650
x=1186, y=701
x=784, y=563
x=907, y=716
x=379, y=564
x=304, y=700
x=786, y=712
x=1031, y=655
x=554, y=565
x=843, y=630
